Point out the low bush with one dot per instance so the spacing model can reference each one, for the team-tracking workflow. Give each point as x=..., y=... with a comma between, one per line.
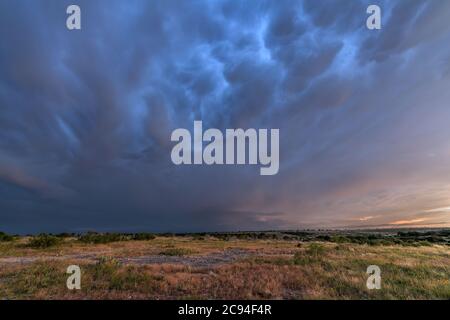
x=143, y=236
x=43, y=241
x=5, y=237
x=101, y=238
x=316, y=250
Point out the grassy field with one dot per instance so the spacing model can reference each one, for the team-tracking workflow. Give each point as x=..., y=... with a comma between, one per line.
x=270, y=265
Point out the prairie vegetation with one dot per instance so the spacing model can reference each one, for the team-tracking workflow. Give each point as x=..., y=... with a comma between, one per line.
x=244, y=265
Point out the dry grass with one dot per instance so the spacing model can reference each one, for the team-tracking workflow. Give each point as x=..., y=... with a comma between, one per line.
x=263, y=269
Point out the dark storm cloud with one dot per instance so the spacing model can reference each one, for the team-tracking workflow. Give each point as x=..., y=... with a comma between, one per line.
x=410, y=24
x=86, y=116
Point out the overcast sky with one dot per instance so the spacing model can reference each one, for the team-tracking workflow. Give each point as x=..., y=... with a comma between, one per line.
x=86, y=116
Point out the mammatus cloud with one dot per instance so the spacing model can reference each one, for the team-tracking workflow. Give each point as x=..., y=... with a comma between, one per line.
x=86, y=116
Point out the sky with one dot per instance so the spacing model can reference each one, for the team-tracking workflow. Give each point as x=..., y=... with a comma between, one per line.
x=86, y=115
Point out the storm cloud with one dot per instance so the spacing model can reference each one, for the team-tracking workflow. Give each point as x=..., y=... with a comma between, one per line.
x=86, y=115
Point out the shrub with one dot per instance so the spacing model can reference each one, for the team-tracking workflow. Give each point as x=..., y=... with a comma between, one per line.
x=340, y=239
x=315, y=250
x=104, y=269
x=97, y=238
x=65, y=235
x=324, y=238
x=313, y=253
x=143, y=236
x=299, y=259
x=5, y=237
x=43, y=241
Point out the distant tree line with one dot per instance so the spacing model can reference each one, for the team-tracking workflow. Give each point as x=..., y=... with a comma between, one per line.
x=409, y=238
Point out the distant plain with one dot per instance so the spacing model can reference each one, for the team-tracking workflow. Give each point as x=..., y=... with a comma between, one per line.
x=415, y=264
